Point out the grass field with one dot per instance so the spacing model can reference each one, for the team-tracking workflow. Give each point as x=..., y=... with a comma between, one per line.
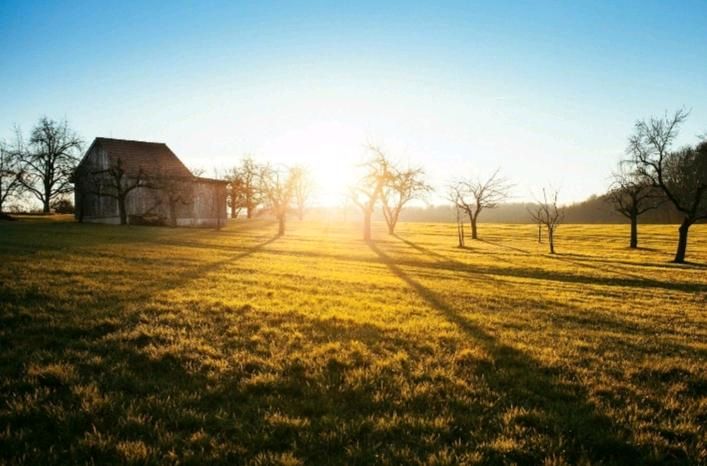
x=155, y=345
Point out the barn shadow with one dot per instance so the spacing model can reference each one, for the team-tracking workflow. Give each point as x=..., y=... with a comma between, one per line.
x=525, y=382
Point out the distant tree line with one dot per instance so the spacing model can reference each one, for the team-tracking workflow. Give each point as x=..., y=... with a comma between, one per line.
x=597, y=209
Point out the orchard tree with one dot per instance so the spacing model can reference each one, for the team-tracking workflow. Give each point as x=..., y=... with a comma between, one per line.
x=176, y=190
x=680, y=174
x=401, y=187
x=367, y=192
x=250, y=175
x=49, y=159
x=235, y=191
x=113, y=182
x=277, y=187
x=453, y=196
x=632, y=195
x=548, y=214
x=473, y=196
x=302, y=187
x=10, y=175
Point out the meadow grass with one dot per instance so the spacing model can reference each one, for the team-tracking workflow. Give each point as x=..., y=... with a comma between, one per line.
x=156, y=345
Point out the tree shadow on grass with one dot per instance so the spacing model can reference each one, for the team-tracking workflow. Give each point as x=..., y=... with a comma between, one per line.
x=629, y=280
x=504, y=246
x=30, y=238
x=664, y=265
x=527, y=383
x=491, y=272
x=669, y=264
x=48, y=308
x=200, y=270
x=443, y=258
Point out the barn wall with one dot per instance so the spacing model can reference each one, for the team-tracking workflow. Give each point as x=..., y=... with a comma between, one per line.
x=97, y=209
x=204, y=202
x=209, y=203
x=146, y=202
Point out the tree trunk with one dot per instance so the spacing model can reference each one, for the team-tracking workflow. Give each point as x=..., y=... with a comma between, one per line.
x=682, y=241
x=367, y=225
x=172, y=213
x=234, y=214
x=249, y=211
x=474, y=234
x=388, y=217
x=634, y=231
x=45, y=205
x=121, y=211
x=392, y=222
x=281, y=225
x=540, y=233
x=460, y=230
x=551, y=239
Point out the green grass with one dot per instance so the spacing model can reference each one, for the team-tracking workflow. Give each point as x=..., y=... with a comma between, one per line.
x=154, y=345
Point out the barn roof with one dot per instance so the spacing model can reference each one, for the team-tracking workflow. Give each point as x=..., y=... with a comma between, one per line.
x=153, y=158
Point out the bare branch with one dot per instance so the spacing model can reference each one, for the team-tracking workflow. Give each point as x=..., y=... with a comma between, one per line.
x=680, y=174
x=548, y=214
x=475, y=195
x=378, y=171
x=49, y=160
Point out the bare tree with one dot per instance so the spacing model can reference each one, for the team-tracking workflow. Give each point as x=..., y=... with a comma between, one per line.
x=10, y=174
x=277, y=187
x=548, y=214
x=632, y=195
x=302, y=185
x=536, y=214
x=235, y=191
x=250, y=175
x=681, y=175
x=243, y=188
x=49, y=160
x=401, y=187
x=197, y=171
x=177, y=191
x=453, y=196
x=366, y=193
x=476, y=195
x=113, y=182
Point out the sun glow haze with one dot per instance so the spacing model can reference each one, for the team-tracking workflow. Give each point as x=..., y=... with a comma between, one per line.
x=327, y=150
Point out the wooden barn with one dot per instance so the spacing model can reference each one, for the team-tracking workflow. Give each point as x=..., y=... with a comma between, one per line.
x=136, y=182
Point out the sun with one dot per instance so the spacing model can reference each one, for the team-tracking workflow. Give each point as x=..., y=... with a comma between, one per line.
x=329, y=150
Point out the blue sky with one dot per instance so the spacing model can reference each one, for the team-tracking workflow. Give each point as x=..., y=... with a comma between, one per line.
x=548, y=91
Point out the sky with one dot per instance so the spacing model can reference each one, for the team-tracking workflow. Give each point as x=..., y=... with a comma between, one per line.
x=547, y=91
